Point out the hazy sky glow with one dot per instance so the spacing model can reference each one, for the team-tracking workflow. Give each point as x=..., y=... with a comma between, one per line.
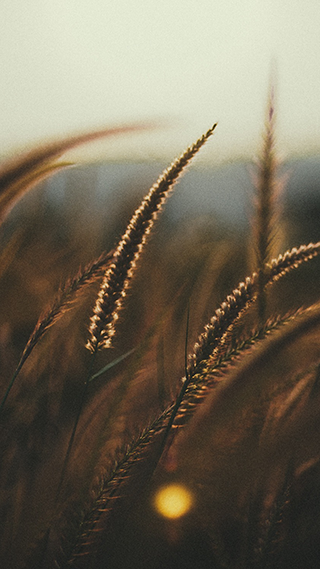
x=72, y=65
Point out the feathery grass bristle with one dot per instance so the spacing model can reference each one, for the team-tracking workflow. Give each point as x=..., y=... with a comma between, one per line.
x=119, y=275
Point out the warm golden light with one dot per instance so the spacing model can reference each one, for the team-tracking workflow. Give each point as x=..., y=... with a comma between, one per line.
x=173, y=501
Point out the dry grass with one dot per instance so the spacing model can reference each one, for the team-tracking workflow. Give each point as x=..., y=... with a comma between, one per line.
x=88, y=436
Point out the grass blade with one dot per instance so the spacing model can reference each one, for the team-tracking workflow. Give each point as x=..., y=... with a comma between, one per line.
x=20, y=174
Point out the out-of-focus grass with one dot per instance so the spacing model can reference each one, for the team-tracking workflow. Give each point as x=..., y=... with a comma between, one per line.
x=190, y=267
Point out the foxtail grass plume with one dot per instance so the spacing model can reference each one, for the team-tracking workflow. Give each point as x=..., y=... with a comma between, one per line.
x=266, y=219
x=61, y=304
x=119, y=274
x=243, y=295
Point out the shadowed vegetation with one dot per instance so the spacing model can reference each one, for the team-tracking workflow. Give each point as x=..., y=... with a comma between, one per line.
x=160, y=365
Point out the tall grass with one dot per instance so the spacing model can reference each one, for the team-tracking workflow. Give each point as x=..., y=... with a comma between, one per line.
x=90, y=436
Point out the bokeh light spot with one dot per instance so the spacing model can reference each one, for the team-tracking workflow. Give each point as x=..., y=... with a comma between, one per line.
x=173, y=501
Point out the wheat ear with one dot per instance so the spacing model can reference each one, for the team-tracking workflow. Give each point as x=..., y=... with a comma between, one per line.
x=119, y=274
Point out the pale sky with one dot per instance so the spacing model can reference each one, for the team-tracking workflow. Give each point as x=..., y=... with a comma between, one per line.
x=74, y=65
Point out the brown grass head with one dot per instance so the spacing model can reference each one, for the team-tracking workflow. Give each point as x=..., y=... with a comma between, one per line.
x=268, y=185
x=119, y=275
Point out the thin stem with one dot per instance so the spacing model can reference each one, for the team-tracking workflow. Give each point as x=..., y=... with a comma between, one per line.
x=61, y=304
x=5, y=397
x=44, y=544
x=175, y=407
x=73, y=433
